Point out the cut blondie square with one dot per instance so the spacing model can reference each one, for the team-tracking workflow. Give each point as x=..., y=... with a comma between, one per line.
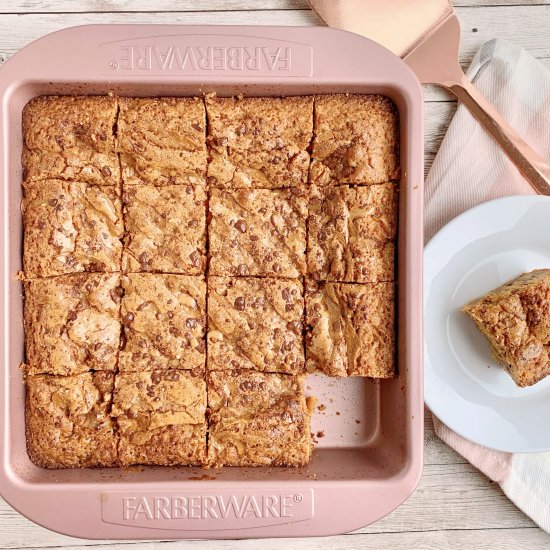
x=258, y=419
x=162, y=141
x=71, y=227
x=356, y=140
x=68, y=420
x=161, y=417
x=351, y=233
x=164, y=318
x=258, y=232
x=71, y=138
x=515, y=318
x=165, y=229
x=72, y=323
x=255, y=323
x=259, y=142
x=350, y=329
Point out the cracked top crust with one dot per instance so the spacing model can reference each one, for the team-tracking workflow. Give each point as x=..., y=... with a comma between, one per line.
x=259, y=142
x=71, y=138
x=164, y=322
x=356, y=140
x=165, y=229
x=258, y=232
x=257, y=419
x=350, y=329
x=515, y=318
x=161, y=416
x=68, y=423
x=71, y=227
x=72, y=323
x=162, y=141
x=255, y=324
x=351, y=232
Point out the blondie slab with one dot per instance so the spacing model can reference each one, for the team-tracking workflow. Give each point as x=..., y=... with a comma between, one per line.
x=165, y=229
x=515, y=318
x=68, y=420
x=356, y=140
x=259, y=232
x=350, y=329
x=72, y=323
x=257, y=419
x=259, y=142
x=162, y=141
x=71, y=227
x=351, y=232
x=164, y=322
x=161, y=417
x=71, y=138
x=255, y=324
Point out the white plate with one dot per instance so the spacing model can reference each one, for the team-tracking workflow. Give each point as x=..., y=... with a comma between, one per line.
x=464, y=387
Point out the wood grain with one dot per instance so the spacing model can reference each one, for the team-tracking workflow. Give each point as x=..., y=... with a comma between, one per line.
x=455, y=507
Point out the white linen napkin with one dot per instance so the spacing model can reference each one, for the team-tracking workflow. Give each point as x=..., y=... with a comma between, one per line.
x=470, y=168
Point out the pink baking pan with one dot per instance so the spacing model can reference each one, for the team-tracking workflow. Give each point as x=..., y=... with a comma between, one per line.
x=368, y=458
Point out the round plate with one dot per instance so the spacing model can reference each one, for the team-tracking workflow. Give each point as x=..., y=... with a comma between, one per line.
x=464, y=387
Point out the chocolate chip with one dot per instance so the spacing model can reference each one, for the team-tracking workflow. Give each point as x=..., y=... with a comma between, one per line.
x=97, y=346
x=156, y=377
x=191, y=323
x=241, y=225
x=201, y=348
x=52, y=202
x=211, y=180
x=131, y=413
x=116, y=294
x=143, y=305
x=72, y=316
x=275, y=160
x=122, y=343
x=286, y=294
x=295, y=327
x=171, y=376
x=239, y=304
x=196, y=126
x=195, y=258
x=246, y=385
x=242, y=270
x=127, y=318
x=220, y=141
x=106, y=171
x=240, y=130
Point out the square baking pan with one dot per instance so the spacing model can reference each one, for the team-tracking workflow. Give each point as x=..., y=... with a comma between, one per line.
x=370, y=458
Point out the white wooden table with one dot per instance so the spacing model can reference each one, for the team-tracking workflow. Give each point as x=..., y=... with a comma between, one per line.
x=455, y=506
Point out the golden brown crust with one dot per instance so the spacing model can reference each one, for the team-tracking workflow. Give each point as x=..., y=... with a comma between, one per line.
x=71, y=227
x=259, y=232
x=255, y=324
x=162, y=141
x=356, y=140
x=165, y=229
x=350, y=329
x=72, y=323
x=351, y=232
x=71, y=138
x=257, y=419
x=161, y=417
x=68, y=422
x=164, y=322
x=515, y=318
x=259, y=142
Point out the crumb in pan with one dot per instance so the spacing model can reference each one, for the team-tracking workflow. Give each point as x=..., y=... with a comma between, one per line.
x=255, y=323
x=165, y=229
x=164, y=322
x=258, y=419
x=350, y=329
x=259, y=142
x=161, y=417
x=72, y=323
x=71, y=138
x=351, y=233
x=162, y=141
x=258, y=232
x=356, y=140
x=515, y=319
x=68, y=420
x=71, y=227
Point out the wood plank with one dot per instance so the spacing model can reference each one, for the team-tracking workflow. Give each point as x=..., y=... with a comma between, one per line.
x=70, y=6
